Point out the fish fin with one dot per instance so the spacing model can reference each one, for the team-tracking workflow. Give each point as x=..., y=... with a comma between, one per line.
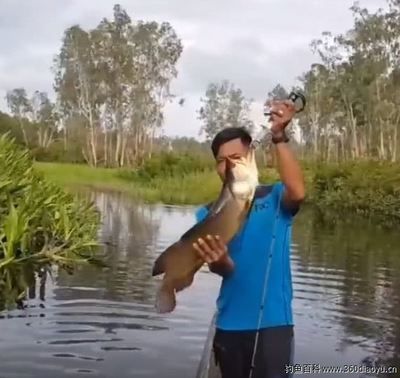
x=225, y=196
x=165, y=298
x=186, y=282
x=159, y=265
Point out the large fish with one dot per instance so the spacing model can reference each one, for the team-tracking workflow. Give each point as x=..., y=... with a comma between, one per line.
x=180, y=261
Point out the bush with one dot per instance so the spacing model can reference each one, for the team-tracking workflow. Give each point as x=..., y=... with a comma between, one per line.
x=368, y=188
x=39, y=223
x=166, y=165
x=56, y=153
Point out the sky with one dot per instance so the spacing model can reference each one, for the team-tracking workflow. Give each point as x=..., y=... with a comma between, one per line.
x=254, y=44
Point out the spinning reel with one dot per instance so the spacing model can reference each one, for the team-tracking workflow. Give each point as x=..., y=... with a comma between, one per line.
x=298, y=99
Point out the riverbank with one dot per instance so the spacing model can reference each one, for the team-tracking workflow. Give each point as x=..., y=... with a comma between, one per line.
x=366, y=188
x=191, y=189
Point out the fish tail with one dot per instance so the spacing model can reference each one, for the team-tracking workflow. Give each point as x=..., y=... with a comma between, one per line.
x=165, y=299
x=159, y=265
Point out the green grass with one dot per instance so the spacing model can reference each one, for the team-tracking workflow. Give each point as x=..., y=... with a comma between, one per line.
x=193, y=188
x=73, y=175
x=189, y=189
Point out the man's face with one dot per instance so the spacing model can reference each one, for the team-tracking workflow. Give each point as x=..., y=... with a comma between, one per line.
x=233, y=149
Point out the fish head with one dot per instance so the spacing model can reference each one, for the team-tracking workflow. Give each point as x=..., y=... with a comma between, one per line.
x=242, y=175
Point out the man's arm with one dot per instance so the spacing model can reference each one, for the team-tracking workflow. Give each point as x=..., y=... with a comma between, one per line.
x=289, y=168
x=291, y=175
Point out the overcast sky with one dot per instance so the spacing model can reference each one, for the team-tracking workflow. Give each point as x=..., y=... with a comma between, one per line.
x=253, y=43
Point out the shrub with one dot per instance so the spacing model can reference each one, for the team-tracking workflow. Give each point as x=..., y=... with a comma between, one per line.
x=39, y=223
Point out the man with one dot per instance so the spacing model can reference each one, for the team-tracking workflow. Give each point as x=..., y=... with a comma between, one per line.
x=267, y=231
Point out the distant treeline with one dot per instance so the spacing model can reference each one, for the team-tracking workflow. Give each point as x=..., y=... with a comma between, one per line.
x=112, y=82
x=72, y=152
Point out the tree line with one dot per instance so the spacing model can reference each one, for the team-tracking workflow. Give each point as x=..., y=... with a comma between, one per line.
x=112, y=83
x=354, y=94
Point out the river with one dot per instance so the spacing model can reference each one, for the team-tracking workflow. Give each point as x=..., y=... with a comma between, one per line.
x=101, y=323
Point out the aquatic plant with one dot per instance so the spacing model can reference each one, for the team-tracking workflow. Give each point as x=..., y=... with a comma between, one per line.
x=40, y=224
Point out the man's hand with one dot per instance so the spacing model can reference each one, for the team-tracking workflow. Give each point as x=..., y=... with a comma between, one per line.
x=282, y=113
x=215, y=253
x=289, y=169
x=212, y=249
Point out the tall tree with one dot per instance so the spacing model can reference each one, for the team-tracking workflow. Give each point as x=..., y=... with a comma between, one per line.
x=20, y=107
x=78, y=85
x=116, y=77
x=352, y=94
x=224, y=106
x=44, y=116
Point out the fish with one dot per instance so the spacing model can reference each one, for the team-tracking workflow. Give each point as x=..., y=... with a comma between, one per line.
x=180, y=262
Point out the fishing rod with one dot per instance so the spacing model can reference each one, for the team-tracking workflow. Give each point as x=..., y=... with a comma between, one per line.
x=294, y=96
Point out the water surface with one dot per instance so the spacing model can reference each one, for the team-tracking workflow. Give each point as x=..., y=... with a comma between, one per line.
x=101, y=323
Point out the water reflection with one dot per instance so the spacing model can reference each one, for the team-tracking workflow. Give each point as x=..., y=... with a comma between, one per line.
x=101, y=322
x=130, y=232
x=347, y=295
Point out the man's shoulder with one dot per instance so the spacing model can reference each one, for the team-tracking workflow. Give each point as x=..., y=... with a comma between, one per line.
x=265, y=190
x=202, y=211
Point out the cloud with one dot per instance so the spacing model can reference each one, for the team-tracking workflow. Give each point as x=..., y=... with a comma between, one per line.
x=253, y=43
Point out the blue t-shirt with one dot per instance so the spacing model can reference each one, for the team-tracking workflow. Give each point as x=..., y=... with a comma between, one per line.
x=241, y=292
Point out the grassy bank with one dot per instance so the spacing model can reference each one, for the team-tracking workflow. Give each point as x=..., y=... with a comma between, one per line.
x=367, y=188
x=191, y=188
x=168, y=179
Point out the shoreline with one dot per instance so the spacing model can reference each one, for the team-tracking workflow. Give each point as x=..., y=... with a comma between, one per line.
x=369, y=189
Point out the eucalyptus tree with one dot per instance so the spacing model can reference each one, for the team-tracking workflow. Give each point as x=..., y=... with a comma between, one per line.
x=116, y=78
x=224, y=105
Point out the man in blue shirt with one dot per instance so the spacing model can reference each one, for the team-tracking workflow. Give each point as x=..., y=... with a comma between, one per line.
x=256, y=289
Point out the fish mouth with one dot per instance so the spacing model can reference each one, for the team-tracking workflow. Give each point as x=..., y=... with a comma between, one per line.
x=244, y=169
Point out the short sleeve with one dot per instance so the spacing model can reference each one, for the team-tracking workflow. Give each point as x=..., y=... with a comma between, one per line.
x=278, y=192
x=201, y=213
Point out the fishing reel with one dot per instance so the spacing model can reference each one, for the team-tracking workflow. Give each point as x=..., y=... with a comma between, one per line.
x=298, y=99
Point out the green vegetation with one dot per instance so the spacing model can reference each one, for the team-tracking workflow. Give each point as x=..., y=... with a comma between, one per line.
x=191, y=188
x=40, y=224
x=367, y=188
x=168, y=178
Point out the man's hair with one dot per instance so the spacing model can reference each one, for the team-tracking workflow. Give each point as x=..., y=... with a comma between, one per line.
x=228, y=134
